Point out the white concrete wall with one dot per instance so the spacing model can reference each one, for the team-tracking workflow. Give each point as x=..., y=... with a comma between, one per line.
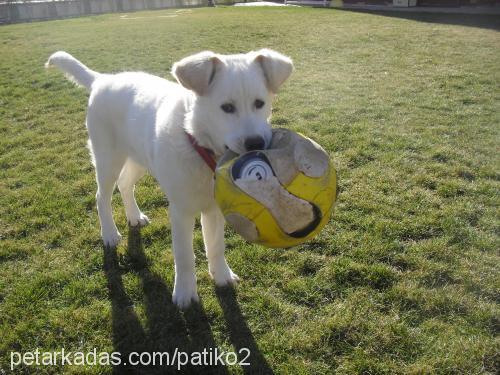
x=22, y=12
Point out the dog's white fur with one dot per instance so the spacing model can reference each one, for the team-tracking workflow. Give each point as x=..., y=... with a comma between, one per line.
x=138, y=122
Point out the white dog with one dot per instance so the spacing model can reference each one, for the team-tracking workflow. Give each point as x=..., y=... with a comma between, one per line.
x=138, y=122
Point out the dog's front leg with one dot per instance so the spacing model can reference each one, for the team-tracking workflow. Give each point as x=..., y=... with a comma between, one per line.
x=212, y=224
x=185, y=289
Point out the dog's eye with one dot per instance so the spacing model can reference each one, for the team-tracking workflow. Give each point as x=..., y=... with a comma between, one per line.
x=259, y=104
x=228, y=108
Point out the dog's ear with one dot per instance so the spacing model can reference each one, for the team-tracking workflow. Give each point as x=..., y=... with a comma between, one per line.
x=277, y=67
x=197, y=72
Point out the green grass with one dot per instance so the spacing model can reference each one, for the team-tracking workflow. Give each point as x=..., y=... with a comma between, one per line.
x=405, y=277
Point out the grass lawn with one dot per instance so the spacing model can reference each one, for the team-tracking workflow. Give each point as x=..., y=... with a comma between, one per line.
x=405, y=277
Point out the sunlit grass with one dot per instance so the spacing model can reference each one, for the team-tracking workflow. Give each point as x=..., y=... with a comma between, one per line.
x=403, y=279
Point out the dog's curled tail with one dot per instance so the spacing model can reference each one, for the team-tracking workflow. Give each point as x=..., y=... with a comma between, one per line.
x=74, y=69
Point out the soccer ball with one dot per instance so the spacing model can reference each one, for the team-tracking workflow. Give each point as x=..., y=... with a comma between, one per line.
x=278, y=197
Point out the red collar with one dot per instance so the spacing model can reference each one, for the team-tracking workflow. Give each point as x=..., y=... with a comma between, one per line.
x=206, y=154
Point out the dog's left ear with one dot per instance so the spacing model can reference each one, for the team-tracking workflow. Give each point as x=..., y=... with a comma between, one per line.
x=197, y=72
x=277, y=67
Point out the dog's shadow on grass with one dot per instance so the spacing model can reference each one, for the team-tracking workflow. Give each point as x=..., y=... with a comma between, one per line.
x=240, y=334
x=164, y=327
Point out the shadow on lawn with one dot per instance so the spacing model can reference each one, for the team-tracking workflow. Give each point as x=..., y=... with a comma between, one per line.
x=167, y=328
x=240, y=334
x=484, y=21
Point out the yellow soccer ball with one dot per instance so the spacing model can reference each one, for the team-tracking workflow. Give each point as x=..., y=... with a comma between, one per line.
x=278, y=197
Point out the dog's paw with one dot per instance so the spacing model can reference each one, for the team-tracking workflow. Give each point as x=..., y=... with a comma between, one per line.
x=184, y=294
x=223, y=276
x=112, y=239
x=141, y=221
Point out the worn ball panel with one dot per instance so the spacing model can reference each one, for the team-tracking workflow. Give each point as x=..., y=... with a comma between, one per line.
x=278, y=197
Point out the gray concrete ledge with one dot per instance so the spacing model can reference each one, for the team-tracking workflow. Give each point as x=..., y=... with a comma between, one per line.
x=494, y=10
x=43, y=10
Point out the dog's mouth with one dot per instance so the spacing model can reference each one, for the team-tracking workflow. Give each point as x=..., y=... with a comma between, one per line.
x=239, y=147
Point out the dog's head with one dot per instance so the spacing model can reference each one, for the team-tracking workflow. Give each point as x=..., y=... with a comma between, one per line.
x=233, y=97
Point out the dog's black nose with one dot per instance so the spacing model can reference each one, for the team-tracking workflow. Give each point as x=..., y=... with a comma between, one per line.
x=254, y=143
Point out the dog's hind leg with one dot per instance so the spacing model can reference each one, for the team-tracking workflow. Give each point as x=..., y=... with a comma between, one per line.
x=108, y=165
x=107, y=172
x=130, y=174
